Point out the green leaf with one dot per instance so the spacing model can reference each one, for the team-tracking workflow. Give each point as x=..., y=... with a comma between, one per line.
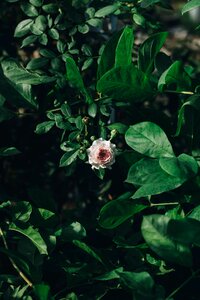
x=105, y=11
x=44, y=127
x=114, y=274
x=107, y=59
x=186, y=231
x=195, y=214
x=37, y=63
x=22, y=211
x=29, y=40
x=74, y=77
x=29, y=10
x=190, y=5
x=125, y=83
x=123, y=52
x=33, y=235
x=192, y=102
x=149, y=139
x=141, y=283
x=18, y=75
x=6, y=114
x=53, y=33
x=153, y=180
x=183, y=166
x=23, y=28
x=42, y=291
x=88, y=250
x=36, y=3
x=155, y=232
x=50, y=8
x=9, y=151
x=118, y=211
x=148, y=51
x=68, y=158
x=39, y=25
x=176, y=76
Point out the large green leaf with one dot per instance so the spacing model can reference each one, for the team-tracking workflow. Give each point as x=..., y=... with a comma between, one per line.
x=184, y=166
x=190, y=5
x=155, y=232
x=153, y=180
x=118, y=211
x=18, y=75
x=74, y=77
x=148, y=51
x=33, y=235
x=176, y=77
x=149, y=139
x=20, y=95
x=88, y=250
x=107, y=59
x=141, y=283
x=123, y=52
x=186, y=231
x=125, y=83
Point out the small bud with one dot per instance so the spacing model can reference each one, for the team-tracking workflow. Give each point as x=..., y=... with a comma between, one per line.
x=92, y=138
x=85, y=120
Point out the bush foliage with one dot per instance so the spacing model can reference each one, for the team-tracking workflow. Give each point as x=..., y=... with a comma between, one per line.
x=76, y=71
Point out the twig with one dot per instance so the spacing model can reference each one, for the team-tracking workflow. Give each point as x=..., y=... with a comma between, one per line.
x=13, y=263
x=182, y=285
x=165, y=203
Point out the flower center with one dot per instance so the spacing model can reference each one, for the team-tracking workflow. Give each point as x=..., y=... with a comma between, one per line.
x=103, y=154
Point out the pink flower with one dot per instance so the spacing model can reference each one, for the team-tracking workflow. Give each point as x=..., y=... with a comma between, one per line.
x=101, y=154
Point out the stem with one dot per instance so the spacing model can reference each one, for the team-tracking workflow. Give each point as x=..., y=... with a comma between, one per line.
x=164, y=203
x=182, y=285
x=179, y=92
x=52, y=110
x=12, y=261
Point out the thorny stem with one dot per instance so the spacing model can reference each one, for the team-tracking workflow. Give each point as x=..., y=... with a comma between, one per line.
x=182, y=285
x=13, y=263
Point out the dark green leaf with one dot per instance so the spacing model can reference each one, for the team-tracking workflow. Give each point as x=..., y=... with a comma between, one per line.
x=118, y=211
x=29, y=40
x=42, y=291
x=153, y=180
x=149, y=139
x=33, y=235
x=175, y=75
x=68, y=158
x=155, y=232
x=9, y=151
x=29, y=10
x=88, y=250
x=141, y=283
x=19, y=75
x=74, y=77
x=37, y=63
x=148, y=51
x=123, y=52
x=125, y=83
x=44, y=127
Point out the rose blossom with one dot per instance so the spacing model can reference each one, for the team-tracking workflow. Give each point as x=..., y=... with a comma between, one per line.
x=101, y=154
